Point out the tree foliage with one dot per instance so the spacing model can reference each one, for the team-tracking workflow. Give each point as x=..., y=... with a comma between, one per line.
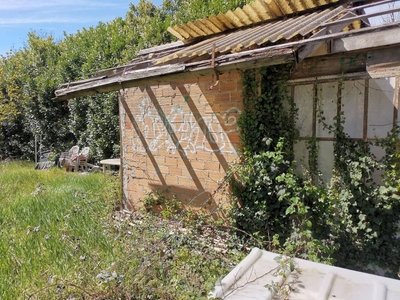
x=29, y=76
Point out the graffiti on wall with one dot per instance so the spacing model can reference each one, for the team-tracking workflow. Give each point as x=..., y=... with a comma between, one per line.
x=182, y=131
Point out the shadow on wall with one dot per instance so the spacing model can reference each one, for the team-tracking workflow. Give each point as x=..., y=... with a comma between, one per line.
x=190, y=197
x=182, y=136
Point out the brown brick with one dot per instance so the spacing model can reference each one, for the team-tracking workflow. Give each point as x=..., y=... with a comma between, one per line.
x=236, y=97
x=163, y=169
x=207, y=109
x=231, y=157
x=158, y=92
x=224, y=166
x=239, y=86
x=128, y=125
x=212, y=166
x=207, y=87
x=168, y=92
x=224, y=107
x=211, y=185
x=171, y=161
x=223, y=97
x=185, y=181
x=189, y=154
x=164, y=102
x=175, y=171
x=215, y=176
x=170, y=180
x=138, y=173
x=234, y=138
x=204, y=156
x=205, y=79
x=235, y=76
x=190, y=80
x=161, y=153
x=198, y=165
x=132, y=183
x=209, y=98
x=194, y=89
x=227, y=86
x=202, y=175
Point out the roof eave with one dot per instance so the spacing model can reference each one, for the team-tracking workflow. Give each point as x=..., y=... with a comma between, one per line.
x=365, y=38
x=163, y=73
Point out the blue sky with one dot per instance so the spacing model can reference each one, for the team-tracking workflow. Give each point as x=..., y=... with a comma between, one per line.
x=18, y=17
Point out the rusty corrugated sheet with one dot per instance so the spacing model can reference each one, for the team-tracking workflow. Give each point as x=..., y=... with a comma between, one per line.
x=248, y=38
x=253, y=13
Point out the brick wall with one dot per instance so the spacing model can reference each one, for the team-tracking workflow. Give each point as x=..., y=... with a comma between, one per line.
x=180, y=135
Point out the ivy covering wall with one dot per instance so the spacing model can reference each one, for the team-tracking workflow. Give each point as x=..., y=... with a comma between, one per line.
x=350, y=221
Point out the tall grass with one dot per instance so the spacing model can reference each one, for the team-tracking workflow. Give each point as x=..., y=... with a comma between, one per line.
x=61, y=238
x=52, y=225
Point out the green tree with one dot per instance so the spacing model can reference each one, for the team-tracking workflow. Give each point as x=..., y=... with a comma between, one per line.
x=28, y=77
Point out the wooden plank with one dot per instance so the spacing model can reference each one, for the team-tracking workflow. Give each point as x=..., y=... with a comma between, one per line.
x=384, y=62
x=174, y=72
x=327, y=65
x=67, y=84
x=363, y=17
x=365, y=41
x=310, y=48
x=385, y=29
x=366, y=100
x=109, y=84
x=376, y=3
x=396, y=103
x=168, y=46
x=331, y=65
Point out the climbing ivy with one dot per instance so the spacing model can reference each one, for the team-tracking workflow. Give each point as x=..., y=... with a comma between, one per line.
x=365, y=214
x=259, y=185
x=350, y=221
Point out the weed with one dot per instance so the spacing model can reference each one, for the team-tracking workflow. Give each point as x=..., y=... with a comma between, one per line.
x=65, y=236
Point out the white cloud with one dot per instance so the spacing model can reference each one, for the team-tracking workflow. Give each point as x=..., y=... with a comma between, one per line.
x=26, y=5
x=34, y=12
x=21, y=21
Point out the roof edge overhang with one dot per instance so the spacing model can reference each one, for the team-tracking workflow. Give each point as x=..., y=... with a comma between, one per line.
x=167, y=73
x=362, y=39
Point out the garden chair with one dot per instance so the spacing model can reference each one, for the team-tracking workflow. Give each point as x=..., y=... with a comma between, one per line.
x=70, y=160
x=83, y=157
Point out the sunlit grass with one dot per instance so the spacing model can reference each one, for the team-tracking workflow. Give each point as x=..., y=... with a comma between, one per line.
x=52, y=225
x=61, y=238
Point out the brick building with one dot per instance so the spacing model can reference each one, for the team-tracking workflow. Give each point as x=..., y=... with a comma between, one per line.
x=180, y=103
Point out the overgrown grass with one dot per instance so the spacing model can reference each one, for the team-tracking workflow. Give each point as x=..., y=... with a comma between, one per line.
x=61, y=238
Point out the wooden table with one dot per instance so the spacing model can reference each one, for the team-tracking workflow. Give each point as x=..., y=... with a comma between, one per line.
x=110, y=162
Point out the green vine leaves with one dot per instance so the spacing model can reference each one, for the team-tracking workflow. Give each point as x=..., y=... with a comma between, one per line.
x=350, y=221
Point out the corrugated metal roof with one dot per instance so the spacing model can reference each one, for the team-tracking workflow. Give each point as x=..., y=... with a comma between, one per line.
x=253, y=13
x=248, y=38
x=255, y=278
